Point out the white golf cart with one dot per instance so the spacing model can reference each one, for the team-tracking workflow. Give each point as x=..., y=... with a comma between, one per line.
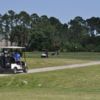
x=8, y=62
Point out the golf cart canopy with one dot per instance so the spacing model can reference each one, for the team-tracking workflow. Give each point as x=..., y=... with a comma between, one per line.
x=12, y=47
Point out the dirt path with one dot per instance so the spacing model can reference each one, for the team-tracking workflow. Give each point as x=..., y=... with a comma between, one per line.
x=63, y=67
x=58, y=68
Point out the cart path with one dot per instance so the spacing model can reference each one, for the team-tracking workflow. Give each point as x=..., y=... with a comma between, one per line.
x=63, y=67
x=38, y=70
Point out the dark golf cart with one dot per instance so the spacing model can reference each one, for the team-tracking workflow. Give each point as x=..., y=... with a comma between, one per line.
x=10, y=59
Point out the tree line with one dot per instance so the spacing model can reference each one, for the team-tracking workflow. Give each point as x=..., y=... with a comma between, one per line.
x=43, y=32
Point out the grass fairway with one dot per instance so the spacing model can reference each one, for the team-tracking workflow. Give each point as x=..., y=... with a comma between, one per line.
x=50, y=62
x=68, y=55
x=69, y=84
x=34, y=59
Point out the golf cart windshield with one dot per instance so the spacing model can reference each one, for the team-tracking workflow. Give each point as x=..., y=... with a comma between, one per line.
x=14, y=51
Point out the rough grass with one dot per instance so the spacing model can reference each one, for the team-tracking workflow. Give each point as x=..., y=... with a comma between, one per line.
x=69, y=84
x=45, y=94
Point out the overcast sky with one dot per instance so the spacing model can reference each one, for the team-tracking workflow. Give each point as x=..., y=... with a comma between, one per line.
x=64, y=10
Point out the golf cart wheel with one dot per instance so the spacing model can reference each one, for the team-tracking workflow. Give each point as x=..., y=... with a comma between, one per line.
x=15, y=70
x=25, y=70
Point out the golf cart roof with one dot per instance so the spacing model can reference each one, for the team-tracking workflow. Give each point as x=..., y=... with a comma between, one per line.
x=11, y=47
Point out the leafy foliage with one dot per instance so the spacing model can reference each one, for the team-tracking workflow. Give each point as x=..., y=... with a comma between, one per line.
x=40, y=32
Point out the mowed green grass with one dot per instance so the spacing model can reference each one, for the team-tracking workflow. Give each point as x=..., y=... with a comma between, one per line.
x=69, y=84
x=34, y=59
x=51, y=62
x=68, y=55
